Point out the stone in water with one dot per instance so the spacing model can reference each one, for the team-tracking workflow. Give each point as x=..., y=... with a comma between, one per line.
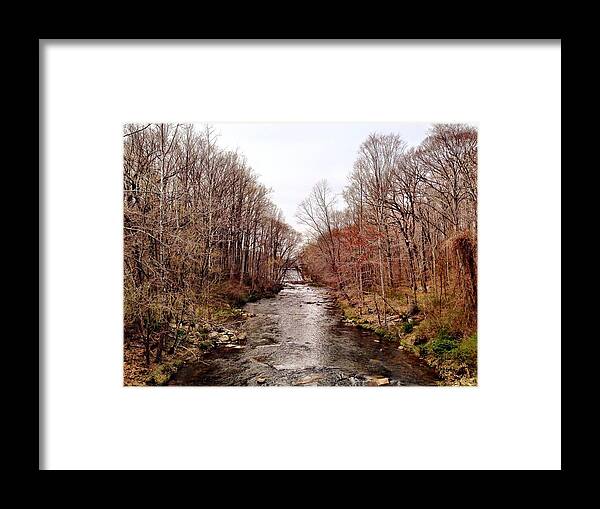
x=375, y=381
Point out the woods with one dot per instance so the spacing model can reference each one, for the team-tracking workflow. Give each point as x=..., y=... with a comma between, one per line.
x=200, y=232
x=402, y=253
x=202, y=237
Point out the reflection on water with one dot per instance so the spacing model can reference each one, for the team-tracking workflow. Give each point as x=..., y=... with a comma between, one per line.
x=298, y=338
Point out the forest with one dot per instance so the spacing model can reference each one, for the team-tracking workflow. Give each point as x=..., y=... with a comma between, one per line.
x=202, y=237
x=402, y=253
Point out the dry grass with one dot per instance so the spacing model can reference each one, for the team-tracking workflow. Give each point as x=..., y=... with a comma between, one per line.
x=439, y=332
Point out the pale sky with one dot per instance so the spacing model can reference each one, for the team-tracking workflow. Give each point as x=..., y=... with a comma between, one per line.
x=290, y=158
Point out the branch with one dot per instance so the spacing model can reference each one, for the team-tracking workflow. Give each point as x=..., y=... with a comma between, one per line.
x=134, y=132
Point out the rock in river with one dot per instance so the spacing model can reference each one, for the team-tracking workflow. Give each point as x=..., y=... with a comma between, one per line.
x=375, y=381
x=308, y=379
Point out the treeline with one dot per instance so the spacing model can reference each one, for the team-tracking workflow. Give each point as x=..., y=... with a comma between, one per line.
x=197, y=225
x=407, y=237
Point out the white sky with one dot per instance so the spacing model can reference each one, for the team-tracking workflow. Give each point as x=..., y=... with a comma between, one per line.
x=291, y=157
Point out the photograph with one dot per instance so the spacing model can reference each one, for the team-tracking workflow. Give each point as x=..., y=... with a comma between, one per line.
x=300, y=254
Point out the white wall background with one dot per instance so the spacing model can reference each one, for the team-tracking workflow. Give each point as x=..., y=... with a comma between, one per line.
x=512, y=420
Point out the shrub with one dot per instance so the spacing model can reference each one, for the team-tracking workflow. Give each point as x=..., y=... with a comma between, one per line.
x=441, y=346
x=467, y=350
x=407, y=327
x=235, y=293
x=445, y=334
x=442, y=343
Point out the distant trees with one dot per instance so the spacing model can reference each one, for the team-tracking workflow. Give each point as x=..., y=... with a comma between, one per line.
x=195, y=217
x=410, y=223
x=318, y=213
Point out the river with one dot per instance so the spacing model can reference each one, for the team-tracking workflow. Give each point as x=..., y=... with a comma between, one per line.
x=298, y=337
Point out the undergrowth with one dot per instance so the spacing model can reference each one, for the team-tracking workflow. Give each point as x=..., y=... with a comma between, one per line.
x=438, y=332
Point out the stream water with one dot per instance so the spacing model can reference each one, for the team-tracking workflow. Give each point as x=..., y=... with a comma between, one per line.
x=298, y=338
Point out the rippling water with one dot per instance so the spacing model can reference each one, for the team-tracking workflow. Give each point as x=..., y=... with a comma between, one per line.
x=298, y=338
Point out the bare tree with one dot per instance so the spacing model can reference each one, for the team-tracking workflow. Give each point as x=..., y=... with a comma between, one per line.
x=410, y=223
x=195, y=218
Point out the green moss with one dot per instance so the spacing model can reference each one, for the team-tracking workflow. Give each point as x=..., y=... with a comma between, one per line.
x=442, y=343
x=351, y=313
x=369, y=326
x=466, y=351
x=455, y=357
x=441, y=346
x=162, y=373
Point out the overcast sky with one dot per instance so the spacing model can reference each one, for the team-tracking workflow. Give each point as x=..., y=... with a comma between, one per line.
x=291, y=157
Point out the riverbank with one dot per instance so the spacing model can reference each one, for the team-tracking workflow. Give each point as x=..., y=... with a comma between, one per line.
x=450, y=352
x=189, y=340
x=298, y=338
x=292, y=326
